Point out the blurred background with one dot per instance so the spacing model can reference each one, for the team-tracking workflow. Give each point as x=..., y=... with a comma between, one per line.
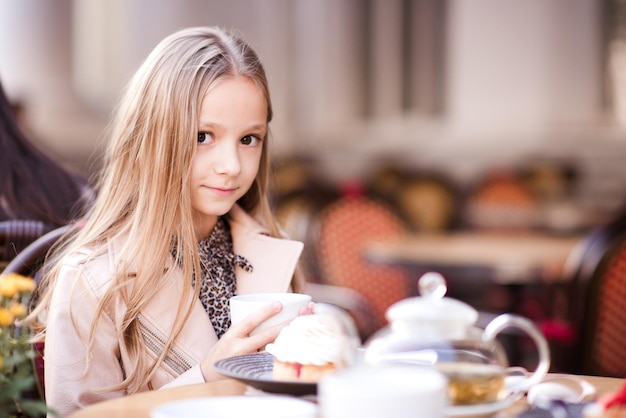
x=460, y=87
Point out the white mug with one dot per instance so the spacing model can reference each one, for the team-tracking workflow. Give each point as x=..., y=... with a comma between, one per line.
x=398, y=391
x=243, y=305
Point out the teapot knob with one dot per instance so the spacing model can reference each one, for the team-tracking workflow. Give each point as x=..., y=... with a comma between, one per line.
x=432, y=285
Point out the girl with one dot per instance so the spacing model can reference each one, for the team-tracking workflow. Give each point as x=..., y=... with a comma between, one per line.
x=138, y=299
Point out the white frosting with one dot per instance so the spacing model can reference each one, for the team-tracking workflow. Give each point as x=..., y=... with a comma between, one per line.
x=311, y=339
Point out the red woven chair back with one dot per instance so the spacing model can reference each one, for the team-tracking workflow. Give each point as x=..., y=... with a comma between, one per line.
x=346, y=226
x=608, y=353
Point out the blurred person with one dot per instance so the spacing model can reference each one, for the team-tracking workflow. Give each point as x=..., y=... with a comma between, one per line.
x=138, y=299
x=33, y=186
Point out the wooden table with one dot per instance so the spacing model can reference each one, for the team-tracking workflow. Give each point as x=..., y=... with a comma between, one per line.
x=509, y=258
x=140, y=405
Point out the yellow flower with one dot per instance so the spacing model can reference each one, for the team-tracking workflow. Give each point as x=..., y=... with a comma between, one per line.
x=16, y=380
x=25, y=284
x=6, y=317
x=18, y=310
x=8, y=287
x=21, y=283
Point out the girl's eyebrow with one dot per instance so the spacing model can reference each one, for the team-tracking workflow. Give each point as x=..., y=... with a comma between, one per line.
x=260, y=127
x=204, y=125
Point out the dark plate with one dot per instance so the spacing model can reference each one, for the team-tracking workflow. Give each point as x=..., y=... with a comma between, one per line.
x=256, y=371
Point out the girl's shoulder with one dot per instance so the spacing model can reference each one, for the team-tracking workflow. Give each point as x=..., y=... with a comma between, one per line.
x=94, y=265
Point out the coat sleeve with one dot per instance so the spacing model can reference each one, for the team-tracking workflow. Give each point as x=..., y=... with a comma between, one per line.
x=73, y=378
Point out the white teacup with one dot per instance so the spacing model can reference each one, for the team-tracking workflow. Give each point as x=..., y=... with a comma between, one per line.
x=243, y=305
x=398, y=391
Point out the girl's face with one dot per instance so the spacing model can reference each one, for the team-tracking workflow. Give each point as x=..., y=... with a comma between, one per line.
x=232, y=125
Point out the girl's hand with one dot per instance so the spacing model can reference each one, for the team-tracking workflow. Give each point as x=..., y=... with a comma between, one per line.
x=309, y=309
x=237, y=341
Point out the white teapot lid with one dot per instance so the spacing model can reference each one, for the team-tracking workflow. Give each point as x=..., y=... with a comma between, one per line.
x=432, y=306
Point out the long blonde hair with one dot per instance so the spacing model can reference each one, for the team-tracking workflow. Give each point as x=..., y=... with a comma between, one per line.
x=144, y=190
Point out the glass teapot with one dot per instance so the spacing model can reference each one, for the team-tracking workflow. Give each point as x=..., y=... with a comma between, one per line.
x=433, y=330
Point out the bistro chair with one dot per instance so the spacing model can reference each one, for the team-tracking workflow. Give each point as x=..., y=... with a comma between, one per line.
x=501, y=201
x=427, y=201
x=30, y=259
x=597, y=270
x=345, y=227
x=17, y=234
x=298, y=215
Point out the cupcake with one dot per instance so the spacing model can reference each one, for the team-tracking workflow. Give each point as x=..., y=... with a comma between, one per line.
x=308, y=348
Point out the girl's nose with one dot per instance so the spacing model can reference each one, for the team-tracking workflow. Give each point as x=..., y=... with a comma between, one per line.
x=227, y=160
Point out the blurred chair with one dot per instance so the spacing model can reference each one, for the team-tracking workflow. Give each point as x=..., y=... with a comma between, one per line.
x=426, y=200
x=550, y=180
x=291, y=175
x=597, y=269
x=501, y=200
x=345, y=227
x=429, y=203
x=15, y=235
x=30, y=259
x=298, y=215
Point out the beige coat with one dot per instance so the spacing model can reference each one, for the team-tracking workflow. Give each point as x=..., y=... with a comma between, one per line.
x=81, y=285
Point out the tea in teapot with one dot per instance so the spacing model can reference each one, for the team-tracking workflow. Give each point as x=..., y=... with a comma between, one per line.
x=471, y=383
x=434, y=331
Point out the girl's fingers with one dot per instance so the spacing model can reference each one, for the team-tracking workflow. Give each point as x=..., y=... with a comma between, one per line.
x=255, y=319
x=308, y=309
x=268, y=335
x=237, y=340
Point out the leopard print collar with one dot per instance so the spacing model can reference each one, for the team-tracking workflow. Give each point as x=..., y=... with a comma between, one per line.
x=218, y=262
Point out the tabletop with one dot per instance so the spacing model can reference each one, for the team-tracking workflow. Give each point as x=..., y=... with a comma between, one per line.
x=512, y=257
x=140, y=405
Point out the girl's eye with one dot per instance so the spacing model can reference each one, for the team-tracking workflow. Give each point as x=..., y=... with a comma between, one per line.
x=250, y=140
x=204, y=137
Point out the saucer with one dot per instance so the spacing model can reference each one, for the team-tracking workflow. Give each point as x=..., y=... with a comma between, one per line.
x=256, y=370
